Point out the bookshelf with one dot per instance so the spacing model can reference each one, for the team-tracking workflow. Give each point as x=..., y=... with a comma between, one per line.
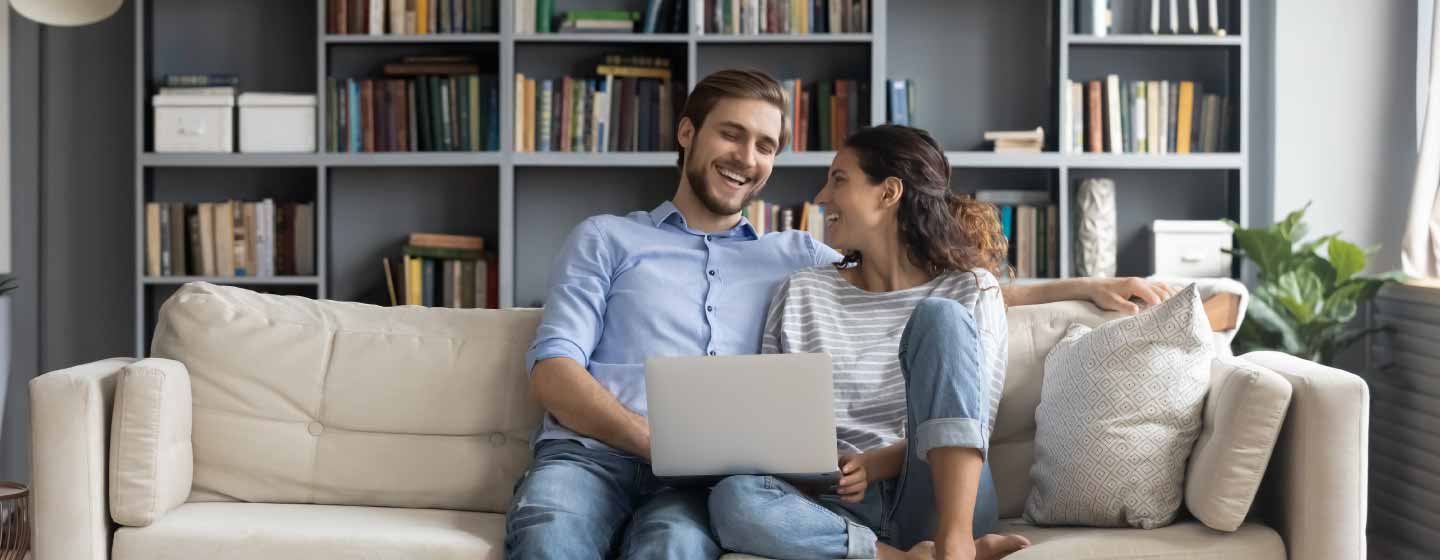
x=978, y=65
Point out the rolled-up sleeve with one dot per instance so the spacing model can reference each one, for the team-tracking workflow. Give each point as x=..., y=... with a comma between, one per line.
x=575, y=308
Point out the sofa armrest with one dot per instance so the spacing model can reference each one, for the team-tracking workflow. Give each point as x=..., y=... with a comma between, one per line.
x=70, y=429
x=1316, y=489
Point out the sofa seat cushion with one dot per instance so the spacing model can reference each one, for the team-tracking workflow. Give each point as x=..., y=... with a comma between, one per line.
x=225, y=531
x=1186, y=540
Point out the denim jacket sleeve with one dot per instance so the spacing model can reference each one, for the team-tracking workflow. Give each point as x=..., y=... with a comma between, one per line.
x=575, y=308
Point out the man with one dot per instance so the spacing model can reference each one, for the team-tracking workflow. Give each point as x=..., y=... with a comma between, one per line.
x=690, y=277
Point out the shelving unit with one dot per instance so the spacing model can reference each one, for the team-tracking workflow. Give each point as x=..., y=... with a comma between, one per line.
x=978, y=65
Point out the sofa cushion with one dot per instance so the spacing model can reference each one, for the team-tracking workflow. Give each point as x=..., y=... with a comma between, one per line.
x=1243, y=415
x=322, y=402
x=1034, y=330
x=151, y=458
x=1186, y=540
x=1119, y=413
x=230, y=531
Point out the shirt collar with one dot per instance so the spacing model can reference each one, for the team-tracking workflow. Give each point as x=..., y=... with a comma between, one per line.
x=667, y=212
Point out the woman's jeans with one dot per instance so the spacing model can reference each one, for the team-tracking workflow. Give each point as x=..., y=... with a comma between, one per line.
x=947, y=402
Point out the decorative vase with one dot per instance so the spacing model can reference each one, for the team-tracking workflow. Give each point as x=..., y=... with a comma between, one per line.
x=1095, y=236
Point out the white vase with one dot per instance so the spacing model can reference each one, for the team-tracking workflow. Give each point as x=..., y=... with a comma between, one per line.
x=1095, y=236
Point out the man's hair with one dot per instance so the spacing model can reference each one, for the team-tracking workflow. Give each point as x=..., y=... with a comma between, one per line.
x=734, y=84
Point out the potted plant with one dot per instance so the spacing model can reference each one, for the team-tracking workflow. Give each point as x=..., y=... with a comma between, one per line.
x=1305, y=298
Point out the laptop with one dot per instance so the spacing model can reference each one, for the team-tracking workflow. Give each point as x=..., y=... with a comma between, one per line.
x=713, y=416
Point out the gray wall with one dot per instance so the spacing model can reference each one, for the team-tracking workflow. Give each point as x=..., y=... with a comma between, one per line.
x=1344, y=117
x=72, y=181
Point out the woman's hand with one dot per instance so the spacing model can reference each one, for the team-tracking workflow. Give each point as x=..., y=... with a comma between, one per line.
x=1113, y=294
x=854, y=477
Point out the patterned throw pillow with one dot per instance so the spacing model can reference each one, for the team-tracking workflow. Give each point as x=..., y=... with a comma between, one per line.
x=1119, y=412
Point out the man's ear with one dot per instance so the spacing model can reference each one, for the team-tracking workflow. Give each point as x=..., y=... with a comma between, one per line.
x=685, y=133
x=892, y=190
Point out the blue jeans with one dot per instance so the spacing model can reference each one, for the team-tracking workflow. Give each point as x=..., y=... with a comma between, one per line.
x=577, y=502
x=947, y=401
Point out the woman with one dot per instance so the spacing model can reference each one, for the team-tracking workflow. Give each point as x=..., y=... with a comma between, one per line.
x=914, y=321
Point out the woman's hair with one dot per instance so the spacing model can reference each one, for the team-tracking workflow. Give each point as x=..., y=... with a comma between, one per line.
x=943, y=231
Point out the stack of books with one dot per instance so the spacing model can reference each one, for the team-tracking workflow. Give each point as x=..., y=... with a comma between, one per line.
x=660, y=16
x=1017, y=140
x=1031, y=223
x=630, y=107
x=755, y=17
x=823, y=114
x=900, y=102
x=230, y=238
x=439, y=270
x=410, y=17
x=425, y=104
x=1149, y=117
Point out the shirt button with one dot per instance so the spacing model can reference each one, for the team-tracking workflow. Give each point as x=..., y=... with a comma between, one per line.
x=712, y=273
x=712, y=352
x=710, y=308
x=707, y=239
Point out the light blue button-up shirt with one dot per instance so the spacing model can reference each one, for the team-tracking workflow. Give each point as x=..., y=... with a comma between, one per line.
x=624, y=289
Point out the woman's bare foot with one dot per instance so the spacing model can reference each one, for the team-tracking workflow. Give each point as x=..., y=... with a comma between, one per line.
x=992, y=546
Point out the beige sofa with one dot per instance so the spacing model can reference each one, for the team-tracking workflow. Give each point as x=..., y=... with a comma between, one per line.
x=285, y=428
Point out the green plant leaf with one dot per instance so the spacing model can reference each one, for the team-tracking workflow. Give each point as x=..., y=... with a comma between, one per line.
x=1267, y=249
x=1291, y=228
x=1265, y=317
x=1347, y=258
x=1302, y=293
x=1318, y=266
x=1314, y=245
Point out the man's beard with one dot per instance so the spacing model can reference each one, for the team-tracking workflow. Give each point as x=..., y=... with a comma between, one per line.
x=700, y=186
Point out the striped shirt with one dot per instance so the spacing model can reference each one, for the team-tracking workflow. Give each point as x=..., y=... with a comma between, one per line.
x=817, y=310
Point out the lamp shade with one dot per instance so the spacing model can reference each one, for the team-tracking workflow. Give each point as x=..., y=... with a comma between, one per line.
x=66, y=12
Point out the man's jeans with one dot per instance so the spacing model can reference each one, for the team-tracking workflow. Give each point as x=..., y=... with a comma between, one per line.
x=947, y=398
x=575, y=502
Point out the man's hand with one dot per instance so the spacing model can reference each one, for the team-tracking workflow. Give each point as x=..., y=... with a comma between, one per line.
x=1114, y=294
x=854, y=477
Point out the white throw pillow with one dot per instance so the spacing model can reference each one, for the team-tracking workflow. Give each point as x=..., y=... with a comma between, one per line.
x=1243, y=416
x=151, y=457
x=1119, y=413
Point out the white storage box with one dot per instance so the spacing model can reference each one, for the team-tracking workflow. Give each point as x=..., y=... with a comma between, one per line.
x=194, y=123
x=1192, y=249
x=277, y=122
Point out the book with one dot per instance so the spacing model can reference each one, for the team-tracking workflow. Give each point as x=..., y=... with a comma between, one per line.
x=1152, y=117
x=152, y=239
x=389, y=281
x=164, y=227
x=224, y=238
x=305, y=239
x=1162, y=118
x=193, y=257
x=178, y=261
x=200, y=80
x=1093, y=103
x=1172, y=120
x=1185, y=120
x=1112, y=109
x=1077, y=117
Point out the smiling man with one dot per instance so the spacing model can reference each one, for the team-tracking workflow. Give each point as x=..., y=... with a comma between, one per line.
x=689, y=278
